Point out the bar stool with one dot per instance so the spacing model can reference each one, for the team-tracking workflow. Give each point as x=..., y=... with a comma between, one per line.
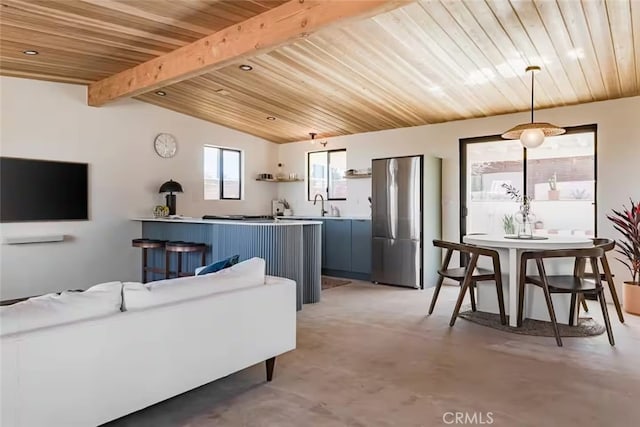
x=182, y=248
x=147, y=244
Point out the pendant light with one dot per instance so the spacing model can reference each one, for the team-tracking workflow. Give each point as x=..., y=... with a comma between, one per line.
x=313, y=139
x=531, y=135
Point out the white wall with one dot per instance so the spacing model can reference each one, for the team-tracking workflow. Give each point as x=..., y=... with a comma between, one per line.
x=44, y=120
x=618, y=158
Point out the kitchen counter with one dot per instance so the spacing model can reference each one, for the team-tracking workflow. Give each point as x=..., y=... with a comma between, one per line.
x=262, y=222
x=291, y=248
x=318, y=217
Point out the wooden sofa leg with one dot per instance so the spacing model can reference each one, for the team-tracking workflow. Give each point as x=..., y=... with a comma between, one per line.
x=271, y=363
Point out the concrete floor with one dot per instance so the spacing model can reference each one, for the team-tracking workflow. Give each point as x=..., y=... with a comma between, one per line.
x=368, y=356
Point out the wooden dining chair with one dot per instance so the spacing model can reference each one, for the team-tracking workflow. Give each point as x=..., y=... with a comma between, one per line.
x=571, y=284
x=468, y=276
x=579, y=268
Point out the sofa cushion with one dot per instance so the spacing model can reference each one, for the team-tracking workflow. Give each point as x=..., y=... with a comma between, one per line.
x=218, y=265
x=66, y=307
x=242, y=275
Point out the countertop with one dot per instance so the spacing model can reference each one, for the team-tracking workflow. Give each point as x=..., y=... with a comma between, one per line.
x=312, y=217
x=191, y=220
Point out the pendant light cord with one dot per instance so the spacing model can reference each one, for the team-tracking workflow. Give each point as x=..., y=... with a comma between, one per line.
x=532, y=83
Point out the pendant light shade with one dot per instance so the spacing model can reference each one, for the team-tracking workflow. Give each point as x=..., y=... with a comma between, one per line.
x=531, y=135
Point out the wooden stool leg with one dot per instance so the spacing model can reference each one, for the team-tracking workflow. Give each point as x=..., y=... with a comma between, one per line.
x=144, y=265
x=203, y=261
x=179, y=269
x=167, y=259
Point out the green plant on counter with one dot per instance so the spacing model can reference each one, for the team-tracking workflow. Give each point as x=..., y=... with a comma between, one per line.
x=508, y=224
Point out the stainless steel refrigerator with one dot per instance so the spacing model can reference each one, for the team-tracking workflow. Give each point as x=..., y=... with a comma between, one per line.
x=396, y=213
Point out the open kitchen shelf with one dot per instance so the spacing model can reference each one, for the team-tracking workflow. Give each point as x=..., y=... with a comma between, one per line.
x=280, y=180
x=358, y=175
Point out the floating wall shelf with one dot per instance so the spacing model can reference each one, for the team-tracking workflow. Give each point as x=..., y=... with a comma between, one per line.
x=279, y=180
x=358, y=175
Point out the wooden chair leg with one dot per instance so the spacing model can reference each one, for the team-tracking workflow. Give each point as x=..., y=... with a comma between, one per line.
x=436, y=292
x=521, y=288
x=466, y=283
x=572, y=308
x=499, y=290
x=472, y=295
x=583, y=302
x=456, y=310
x=605, y=315
x=503, y=316
x=612, y=288
x=552, y=315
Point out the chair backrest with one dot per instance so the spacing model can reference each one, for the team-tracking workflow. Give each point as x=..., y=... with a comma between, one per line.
x=465, y=248
x=595, y=252
x=605, y=244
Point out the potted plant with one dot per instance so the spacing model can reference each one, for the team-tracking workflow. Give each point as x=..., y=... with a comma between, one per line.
x=553, y=194
x=508, y=224
x=627, y=223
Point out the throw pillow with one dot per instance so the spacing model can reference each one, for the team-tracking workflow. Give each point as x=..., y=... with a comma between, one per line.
x=219, y=265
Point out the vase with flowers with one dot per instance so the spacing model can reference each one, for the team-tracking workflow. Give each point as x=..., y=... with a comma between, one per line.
x=627, y=223
x=524, y=217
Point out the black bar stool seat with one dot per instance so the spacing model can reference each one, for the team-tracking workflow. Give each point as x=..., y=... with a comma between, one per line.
x=180, y=247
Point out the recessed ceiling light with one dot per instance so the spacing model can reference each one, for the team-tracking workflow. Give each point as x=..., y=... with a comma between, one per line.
x=577, y=53
x=30, y=52
x=245, y=67
x=437, y=90
x=271, y=118
x=161, y=93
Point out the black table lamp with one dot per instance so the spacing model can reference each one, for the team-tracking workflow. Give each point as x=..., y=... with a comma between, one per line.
x=171, y=187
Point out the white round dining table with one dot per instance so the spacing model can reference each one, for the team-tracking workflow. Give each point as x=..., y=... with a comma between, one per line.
x=515, y=247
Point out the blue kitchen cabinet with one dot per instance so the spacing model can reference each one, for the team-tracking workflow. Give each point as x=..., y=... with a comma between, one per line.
x=338, y=244
x=361, y=246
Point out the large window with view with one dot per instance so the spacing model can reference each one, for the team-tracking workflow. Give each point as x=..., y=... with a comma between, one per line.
x=325, y=173
x=222, y=173
x=559, y=176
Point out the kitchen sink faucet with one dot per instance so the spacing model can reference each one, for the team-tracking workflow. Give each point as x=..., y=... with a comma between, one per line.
x=315, y=199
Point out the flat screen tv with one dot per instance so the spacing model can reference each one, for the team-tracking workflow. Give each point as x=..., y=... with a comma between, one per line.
x=41, y=190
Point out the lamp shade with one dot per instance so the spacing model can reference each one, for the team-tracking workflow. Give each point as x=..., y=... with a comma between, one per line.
x=170, y=187
x=547, y=129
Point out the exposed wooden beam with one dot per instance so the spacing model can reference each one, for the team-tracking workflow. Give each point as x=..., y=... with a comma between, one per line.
x=283, y=24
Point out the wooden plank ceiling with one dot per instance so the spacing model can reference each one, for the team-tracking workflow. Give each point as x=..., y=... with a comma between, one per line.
x=427, y=62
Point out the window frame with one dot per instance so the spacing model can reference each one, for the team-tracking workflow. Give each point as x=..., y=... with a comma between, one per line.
x=221, y=171
x=463, y=142
x=327, y=173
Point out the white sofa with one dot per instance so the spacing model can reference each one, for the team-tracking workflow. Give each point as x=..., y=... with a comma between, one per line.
x=91, y=371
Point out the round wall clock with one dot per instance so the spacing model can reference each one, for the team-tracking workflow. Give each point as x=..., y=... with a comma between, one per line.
x=165, y=145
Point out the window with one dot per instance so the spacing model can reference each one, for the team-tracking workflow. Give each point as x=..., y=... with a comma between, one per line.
x=222, y=173
x=559, y=176
x=325, y=172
